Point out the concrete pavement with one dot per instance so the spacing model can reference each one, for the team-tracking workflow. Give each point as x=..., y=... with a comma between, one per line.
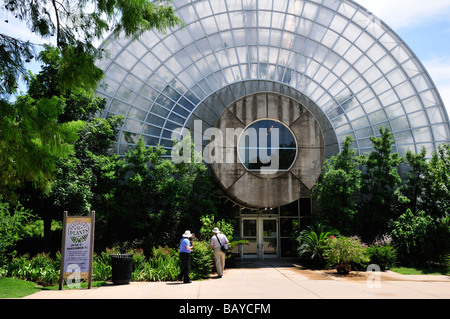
x=272, y=279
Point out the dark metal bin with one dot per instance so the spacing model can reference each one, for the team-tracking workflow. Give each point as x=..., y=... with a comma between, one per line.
x=121, y=265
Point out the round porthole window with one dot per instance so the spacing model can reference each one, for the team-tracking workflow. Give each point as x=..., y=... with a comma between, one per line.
x=267, y=146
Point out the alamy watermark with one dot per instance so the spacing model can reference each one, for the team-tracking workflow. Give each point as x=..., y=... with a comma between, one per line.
x=74, y=279
x=374, y=279
x=253, y=145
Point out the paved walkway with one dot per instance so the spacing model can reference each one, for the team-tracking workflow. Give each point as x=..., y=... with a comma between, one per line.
x=272, y=279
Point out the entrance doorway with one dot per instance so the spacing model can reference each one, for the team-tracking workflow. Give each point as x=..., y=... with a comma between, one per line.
x=269, y=232
x=262, y=235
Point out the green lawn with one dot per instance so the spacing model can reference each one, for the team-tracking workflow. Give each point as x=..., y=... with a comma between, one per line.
x=416, y=271
x=16, y=288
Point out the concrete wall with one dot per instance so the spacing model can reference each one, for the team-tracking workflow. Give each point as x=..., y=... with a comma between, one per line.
x=253, y=189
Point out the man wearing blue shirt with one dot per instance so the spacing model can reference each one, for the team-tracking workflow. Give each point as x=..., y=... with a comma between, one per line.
x=185, y=257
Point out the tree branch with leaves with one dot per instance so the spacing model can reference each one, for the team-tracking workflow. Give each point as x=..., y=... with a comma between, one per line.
x=75, y=26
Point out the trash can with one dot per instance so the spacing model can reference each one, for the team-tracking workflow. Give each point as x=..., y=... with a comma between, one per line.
x=121, y=265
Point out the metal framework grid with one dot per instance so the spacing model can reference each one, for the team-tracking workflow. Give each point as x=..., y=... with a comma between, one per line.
x=344, y=59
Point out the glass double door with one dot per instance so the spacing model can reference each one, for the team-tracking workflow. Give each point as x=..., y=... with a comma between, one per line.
x=262, y=236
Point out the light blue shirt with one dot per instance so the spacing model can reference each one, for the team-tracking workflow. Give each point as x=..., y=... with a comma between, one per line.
x=185, y=242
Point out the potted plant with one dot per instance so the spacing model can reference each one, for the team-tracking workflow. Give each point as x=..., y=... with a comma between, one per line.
x=342, y=251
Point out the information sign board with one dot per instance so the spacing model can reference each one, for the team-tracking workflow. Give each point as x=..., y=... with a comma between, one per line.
x=77, y=249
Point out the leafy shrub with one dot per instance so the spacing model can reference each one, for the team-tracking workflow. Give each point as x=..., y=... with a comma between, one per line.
x=202, y=257
x=101, y=266
x=382, y=252
x=344, y=250
x=164, y=252
x=163, y=265
x=139, y=259
x=311, y=244
x=161, y=269
x=383, y=256
x=208, y=223
x=41, y=268
x=420, y=238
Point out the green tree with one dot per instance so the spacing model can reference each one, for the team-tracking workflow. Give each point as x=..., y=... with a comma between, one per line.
x=31, y=141
x=76, y=25
x=32, y=134
x=338, y=186
x=41, y=128
x=49, y=138
x=152, y=198
x=436, y=192
x=13, y=54
x=73, y=175
x=194, y=186
x=12, y=220
x=380, y=187
x=415, y=187
x=209, y=221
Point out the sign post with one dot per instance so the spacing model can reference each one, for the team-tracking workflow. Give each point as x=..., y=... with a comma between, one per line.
x=77, y=249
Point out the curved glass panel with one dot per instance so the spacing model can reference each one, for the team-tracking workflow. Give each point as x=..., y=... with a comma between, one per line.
x=354, y=68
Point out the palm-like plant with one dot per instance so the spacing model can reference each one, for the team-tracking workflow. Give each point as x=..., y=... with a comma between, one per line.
x=311, y=244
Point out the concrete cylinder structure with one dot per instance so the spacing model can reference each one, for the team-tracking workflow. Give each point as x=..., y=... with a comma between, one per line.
x=277, y=187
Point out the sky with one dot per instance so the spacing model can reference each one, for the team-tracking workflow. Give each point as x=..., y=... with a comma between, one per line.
x=423, y=25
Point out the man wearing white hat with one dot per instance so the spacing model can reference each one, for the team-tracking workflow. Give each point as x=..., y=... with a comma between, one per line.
x=217, y=241
x=185, y=257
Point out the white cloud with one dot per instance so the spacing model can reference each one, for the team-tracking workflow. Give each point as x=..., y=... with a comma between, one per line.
x=19, y=30
x=407, y=13
x=439, y=70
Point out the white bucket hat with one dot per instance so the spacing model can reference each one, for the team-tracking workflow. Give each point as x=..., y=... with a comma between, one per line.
x=187, y=233
x=216, y=230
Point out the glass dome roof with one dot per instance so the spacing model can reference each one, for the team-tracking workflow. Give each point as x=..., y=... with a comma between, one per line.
x=356, y=71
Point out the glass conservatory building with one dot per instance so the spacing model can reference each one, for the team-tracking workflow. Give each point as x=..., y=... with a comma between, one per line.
x=307, y=73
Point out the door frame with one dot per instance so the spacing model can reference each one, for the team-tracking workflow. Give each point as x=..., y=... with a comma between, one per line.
x=260, y=237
